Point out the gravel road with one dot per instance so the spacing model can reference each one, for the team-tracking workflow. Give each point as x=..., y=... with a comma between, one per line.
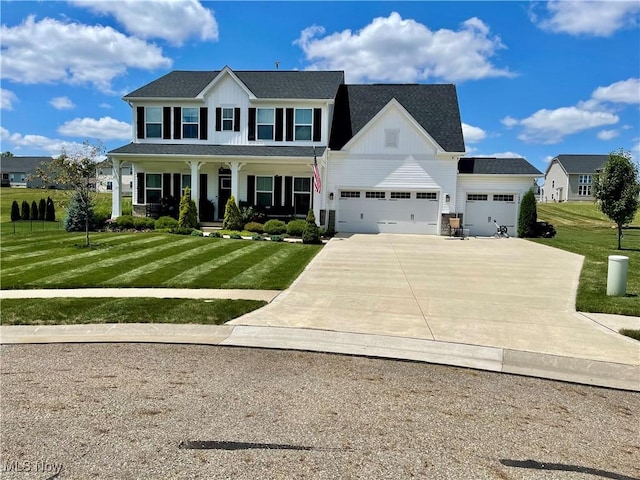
x=127, y=411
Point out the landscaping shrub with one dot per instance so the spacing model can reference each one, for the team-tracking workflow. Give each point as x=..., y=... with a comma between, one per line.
x=215, y=235
x=275, y=227
x=143, y=223
x=42, y=209
x=254, y=227
x=528, y=215
x=124, y=222
x=182, y=230
x=50, y=215
x=257, y=237
x=311, y=234
x=206, y=210
x=166, y=223
x=169, y=207
x=188, y=213
x=232, y=216
x=24, y=212
x=295, y=228
x=276, y=238
x=236, y=236
x=196, y=233
x=247, y=214
x=33, y=214
x=79, y=212
x=15, y=211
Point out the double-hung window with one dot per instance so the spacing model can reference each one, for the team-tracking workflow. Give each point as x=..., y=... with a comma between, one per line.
x=303, y=123
x=302, y=195
x=227, y=119
x=153, y=122
x=584, y=187
x=190, y=117
x=153, y=187
x=264, y=191
x=265, y=122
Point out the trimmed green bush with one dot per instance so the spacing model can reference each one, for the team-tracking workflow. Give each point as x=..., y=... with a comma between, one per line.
x=33, y=214
x=188, y=212
x=295, y=228
x=232, y=216
x=42, y=209
x=215, y=235
x=143, y=223
x=257, y=237
x=276, y=238
x=25, y=211
x=182, y=231
x=275, y=227
x=197, y=233
x=528, y=216
x=50, y=215
x=15, y=211
x=124, y=222
x=166, y=223
x=236, y=236
x=311, y=234
x=254, y=227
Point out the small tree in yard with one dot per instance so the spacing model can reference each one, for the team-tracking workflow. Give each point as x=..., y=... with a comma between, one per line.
x=50, y=213
x=188, y=217
x=75, y=170
x=34, y=211
x=25, y=211
x=42, y=209
x=232, y=216
x=528, y=215
x=15, y=211
x=80, y=215
x=311, y=232
x=616, y=189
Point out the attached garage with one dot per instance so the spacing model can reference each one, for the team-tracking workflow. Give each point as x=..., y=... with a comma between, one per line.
x=482, y=209
x=374, y=211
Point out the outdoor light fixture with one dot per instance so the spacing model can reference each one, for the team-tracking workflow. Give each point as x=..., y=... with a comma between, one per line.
x=331, y=196
x=447, y=198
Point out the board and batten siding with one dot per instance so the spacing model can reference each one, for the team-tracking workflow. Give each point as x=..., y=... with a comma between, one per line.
x=228, y=94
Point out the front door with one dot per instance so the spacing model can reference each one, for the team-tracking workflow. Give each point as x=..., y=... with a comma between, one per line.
x=224, y=192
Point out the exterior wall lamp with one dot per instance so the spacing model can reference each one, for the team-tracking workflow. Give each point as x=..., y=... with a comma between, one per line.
x=331, y=196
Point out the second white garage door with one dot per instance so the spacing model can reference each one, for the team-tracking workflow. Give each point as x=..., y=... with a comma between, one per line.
x=482, y=209
x=363, y=211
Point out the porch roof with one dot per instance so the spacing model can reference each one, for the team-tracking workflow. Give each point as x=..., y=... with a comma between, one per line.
x=191, y=150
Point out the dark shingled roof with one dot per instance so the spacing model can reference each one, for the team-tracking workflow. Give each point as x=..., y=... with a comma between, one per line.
x=217, y=150
x=21, y=164
x=263, y=84
x=434, y=107
x=581, y=163
x=496, y=166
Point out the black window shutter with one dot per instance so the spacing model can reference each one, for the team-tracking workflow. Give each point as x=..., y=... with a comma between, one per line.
x=140, y=188
x=236, y=119
x=177, y=123
x=166, y=123
x=279, y=125
x=317, y=124
x=218, y=119
x=288, y=191
x=203, y=187
x=252, y=124
x=289, y=124
x=251, y=189
x=204, y=123
x=177, y=185
x=140, y=121
x=277, y=191
x=166, y=184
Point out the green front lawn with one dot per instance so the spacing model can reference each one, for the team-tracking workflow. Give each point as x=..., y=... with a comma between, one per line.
x=583, y=229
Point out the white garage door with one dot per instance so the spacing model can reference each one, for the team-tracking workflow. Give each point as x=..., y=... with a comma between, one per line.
x=483, y=208
x=364, y=211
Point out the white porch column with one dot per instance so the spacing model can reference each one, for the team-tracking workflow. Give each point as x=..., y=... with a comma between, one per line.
x=235, y=174
x=116, y=192
x=195, y=183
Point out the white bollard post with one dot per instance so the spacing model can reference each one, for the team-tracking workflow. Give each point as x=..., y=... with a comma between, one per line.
x=617, y=275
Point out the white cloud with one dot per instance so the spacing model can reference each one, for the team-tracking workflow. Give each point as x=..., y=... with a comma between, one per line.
x=34, y=144
x=586, y=17
x=607, y=134
x=473, y=134
x=394, y=49
x=62, y=103
x=509, y=122
x=625, y=91
x=7, y=99
x=49, y=51
x=174, y=21
x=506, y=155
x=106, y=128
x=105, y=105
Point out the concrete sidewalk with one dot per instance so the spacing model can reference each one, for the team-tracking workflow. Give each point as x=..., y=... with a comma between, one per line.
x=500, y=305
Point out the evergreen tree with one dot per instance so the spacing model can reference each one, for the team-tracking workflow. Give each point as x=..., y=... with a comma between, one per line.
x=311, y=232
x=232, y=216
x=50, y=215
x=34, y=211
x=80, y=215
x=25, y=213
x=528, y=215
x=15, y=211
x=188, y=217
x=42, y=209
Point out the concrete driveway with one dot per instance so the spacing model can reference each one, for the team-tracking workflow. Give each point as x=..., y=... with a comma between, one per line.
x=506, y=293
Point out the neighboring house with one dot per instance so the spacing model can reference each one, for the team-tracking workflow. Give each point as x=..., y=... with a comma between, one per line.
x=387, y=155
x=20, y=171
x=570, y=177
x=104, y=178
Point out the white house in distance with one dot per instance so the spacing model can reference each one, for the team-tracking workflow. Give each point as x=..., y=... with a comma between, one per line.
x=570, y=177
x=388, y=156
x=104, y=178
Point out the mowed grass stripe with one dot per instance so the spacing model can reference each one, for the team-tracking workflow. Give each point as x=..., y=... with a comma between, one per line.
x=167, y=267
x=44, y=240
x=198, y=276
x=96, y=273
x=248, y=277
x=62, y=257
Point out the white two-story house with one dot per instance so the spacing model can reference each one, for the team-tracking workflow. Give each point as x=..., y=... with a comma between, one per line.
x=387, y=155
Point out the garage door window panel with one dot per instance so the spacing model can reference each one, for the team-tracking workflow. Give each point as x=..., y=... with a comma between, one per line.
x=503, y=198
x=376, y=195
x=477, y=197
x=348, y=194
x=400, y=195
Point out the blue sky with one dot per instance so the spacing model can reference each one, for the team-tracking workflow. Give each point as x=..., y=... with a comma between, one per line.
x=534, y=79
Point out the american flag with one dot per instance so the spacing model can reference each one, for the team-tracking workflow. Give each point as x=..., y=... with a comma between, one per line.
x=317, y=182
